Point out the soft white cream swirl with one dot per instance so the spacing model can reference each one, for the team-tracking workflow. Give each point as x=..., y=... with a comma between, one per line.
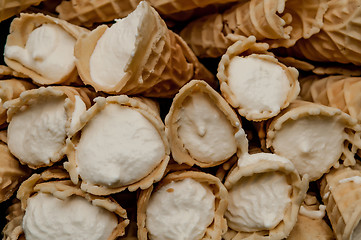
x=47, y=217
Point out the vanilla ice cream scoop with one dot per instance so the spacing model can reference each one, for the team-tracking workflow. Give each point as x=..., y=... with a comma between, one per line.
x=254, y=82
x=202, y=128
x=122, y=143
x=184, y=205
x=42, y=47
x=314, y=137
x=40, y=121
x=265, y=193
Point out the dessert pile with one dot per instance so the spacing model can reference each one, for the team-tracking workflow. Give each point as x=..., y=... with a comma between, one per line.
x=181, y=119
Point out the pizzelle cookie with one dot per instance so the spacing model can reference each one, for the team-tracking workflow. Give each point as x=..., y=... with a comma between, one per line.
x=53, y=207
x=265, y=194
x=314, y=137
x=42, y=47
x=192, y=201
x=120, y=144
x=254, y=82
x=340, y=191
x=41, y=119
x=202, y=128
x=137, y=55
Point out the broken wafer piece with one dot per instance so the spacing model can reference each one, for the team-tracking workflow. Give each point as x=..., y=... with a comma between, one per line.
x=339, y=38
x=121, y=144
x=280, y=23
x=42, y=47
x=337, y=91
x=254, y=82
x=202, y=128
x=310, y=223
x=40, y=121
x=340, y=191
x=137, y=55
x=54, y=207
x=265, y=194
x=193, y=201
x=12, y=173
x=11, y=89
x=314, y=137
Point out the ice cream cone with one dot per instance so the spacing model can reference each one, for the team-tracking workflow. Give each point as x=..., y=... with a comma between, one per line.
x=335, y=91
x=339, y=38
x=11, y=89
x=20, y=32
x=127, y=172
x=160, y=65
x=281, y=23
x=9, y=8
x=211, y=183
x=64, y=105
x=340, y=191
x=86, y=13
x=211, y=109
x=312, y=151
x=245, y=214
x=54, y=182
x=6, y=73
x=12, y=173
x=235, y=84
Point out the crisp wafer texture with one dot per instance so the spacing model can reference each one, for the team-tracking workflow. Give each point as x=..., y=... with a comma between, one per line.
x=281, y=23
x=340, y=191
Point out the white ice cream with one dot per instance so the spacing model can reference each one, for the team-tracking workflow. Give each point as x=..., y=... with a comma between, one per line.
x=37, y=134
x=180, y=210
x=48, y=217
x=258, y=85
x=115, y=48
x=205, y=131
x=259, y=202
x=49, y=51
x=119, y=146
x=312, y=143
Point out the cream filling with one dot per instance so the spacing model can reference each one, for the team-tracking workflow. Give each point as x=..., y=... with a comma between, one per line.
x=259, y=202
x=37, y=134
x=180, y=210
x=115, y=49
x=205, y=131
x=313, y=214
x=258, y=85
x=49, y=51
x=119, y=146
x=312, y=143
x=356, y=233
x=47, y=217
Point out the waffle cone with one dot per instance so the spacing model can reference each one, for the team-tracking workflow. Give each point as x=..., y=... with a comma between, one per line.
x=245, y=47
x=19, y=32
x=150, y=114
x=11, y=89
x=258, y=163
x=179, y=151
x=12, y=173
x=86, y=13
x=280, y=23
x=342, y=200
x=300, y=109
x=336, y=91
x=73, y=121
x=10, y=8
x=218, y=226
x=56, y=181
x=161, y=65
x=339, y=38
